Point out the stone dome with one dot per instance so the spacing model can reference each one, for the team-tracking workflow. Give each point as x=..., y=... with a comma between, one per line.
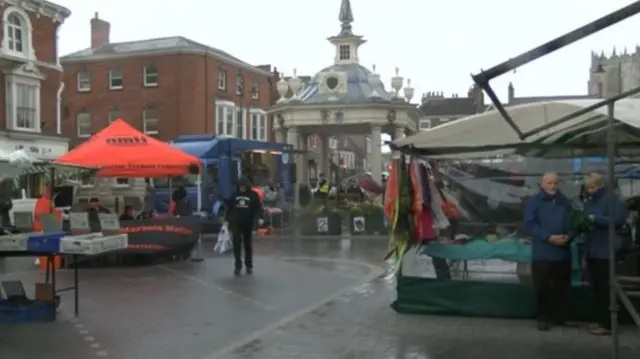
x=358, y=88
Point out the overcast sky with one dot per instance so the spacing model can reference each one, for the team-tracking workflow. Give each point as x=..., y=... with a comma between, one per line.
x=435, y=43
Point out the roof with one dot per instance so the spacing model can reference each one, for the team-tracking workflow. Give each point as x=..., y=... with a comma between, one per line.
x=209, y=147
x=155, y=47
x=490, y=129
x=358, y=88
x=448, y=106
x=521, y=100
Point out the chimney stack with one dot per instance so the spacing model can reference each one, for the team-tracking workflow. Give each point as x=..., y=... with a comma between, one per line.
x=100, y=30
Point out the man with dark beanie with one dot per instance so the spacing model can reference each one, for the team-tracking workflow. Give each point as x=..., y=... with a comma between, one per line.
x=243, y=208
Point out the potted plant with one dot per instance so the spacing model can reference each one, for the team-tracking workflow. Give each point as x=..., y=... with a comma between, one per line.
x=321, y=218
x=375, y=220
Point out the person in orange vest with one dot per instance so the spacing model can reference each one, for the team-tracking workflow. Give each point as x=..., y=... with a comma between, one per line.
x=45, y=206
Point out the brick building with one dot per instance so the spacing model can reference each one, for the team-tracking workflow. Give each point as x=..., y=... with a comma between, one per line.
x=32, y=78
x=165, y=87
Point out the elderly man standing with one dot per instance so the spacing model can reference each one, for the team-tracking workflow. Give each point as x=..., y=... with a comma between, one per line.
x=546, y=220
x=597, y=245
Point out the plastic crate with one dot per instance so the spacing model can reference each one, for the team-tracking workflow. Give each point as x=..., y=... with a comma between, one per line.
x=35, y=312
x=45, y=243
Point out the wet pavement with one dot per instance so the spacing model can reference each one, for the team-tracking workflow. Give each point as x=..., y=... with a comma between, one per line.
x=310, y=298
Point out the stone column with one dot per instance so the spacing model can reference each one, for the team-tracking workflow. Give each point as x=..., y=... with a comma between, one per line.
x=278, y=135
x=324, y=155
x=376, y=153
x=398, y=134
x=292, y=139
x=303, y=142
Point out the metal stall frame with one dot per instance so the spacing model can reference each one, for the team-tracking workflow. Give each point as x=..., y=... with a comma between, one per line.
x=482, y=80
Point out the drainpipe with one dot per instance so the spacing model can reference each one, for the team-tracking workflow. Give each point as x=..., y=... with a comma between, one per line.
x=59, y=109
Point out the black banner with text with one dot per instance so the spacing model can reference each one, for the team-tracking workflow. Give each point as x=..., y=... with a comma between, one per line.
x=161, y=234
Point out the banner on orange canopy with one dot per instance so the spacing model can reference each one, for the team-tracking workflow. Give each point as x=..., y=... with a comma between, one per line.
x=122, y=151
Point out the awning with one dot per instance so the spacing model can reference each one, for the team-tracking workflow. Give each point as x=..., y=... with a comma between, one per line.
x=122, y=151
x=28, y=165
x=481, y=135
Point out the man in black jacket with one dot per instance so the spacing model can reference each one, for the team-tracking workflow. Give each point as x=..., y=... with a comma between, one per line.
x=243, y=208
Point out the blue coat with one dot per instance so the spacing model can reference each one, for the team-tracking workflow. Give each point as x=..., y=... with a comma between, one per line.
x=597, y=205
x=547, y=215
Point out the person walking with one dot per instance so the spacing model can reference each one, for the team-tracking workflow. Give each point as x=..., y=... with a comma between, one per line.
x=546, y=220
x=243, y=208
x=597, y=246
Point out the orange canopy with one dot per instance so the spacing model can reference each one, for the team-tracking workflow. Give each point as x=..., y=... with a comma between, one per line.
x=122, y=151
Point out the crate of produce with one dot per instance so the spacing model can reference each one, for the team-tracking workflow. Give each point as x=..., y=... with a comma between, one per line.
x=45, y=243
x=33, y=312
x=13, y=243
x=93, y=244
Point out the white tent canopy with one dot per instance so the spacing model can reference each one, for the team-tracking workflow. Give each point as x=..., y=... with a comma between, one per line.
x=19, y=163
x=490, y=128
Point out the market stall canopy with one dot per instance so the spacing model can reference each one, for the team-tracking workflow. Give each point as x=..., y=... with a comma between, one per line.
x=484, y=134
x=122, y=151
x=19, y=163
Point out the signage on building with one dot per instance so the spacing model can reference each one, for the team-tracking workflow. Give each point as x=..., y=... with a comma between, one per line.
x=40, y=149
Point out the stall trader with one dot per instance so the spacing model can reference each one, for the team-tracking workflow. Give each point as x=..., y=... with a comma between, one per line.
x=597, y=246
x=243, y=208
x=546, y=220
x=94, y=211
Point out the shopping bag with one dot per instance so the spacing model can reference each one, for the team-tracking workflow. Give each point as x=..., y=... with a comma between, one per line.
x=223, y=244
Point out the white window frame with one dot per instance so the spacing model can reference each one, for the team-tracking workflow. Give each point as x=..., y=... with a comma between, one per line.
x=333, y=143
x=424, y=121
x=344, y=55
x=255, y=90
x=117, y=184
x=240, y=88
x=83, y=81
x=222, y=80
x=26, y=28
x=26, y=75
x=225, y=108
x=145, y=119
x=242, y=121
x=146, y=75
x=258, y=120
x=113, y=77
x=80, y=134
x=111, y=112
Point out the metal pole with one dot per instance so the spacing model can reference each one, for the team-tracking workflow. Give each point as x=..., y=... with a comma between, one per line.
x=198, y=257
x=613, y=302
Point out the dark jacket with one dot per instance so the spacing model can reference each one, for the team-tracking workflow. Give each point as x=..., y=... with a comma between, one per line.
x=182, y=206
x=547, y=215
x=244, y=207
x=597, y=205
x=94, y=218
x=5, y=208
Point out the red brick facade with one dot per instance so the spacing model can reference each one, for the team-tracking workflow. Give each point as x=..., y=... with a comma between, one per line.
x=43, y=38
x=184, y=98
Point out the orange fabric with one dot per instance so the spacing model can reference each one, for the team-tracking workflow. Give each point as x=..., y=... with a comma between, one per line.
x=450, y=210
x=57, y=262
x=122, y=151
x=172, y=207
x=416, y=201
x=43, y=206
x=391, y=192
x=259, y=191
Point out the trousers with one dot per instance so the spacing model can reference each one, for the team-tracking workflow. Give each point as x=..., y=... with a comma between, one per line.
x=599, y=278
x=552, y=286
x=242, y=238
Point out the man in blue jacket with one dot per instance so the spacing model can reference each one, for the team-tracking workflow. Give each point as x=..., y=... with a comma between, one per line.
x=546, y=220
x=597, y=245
